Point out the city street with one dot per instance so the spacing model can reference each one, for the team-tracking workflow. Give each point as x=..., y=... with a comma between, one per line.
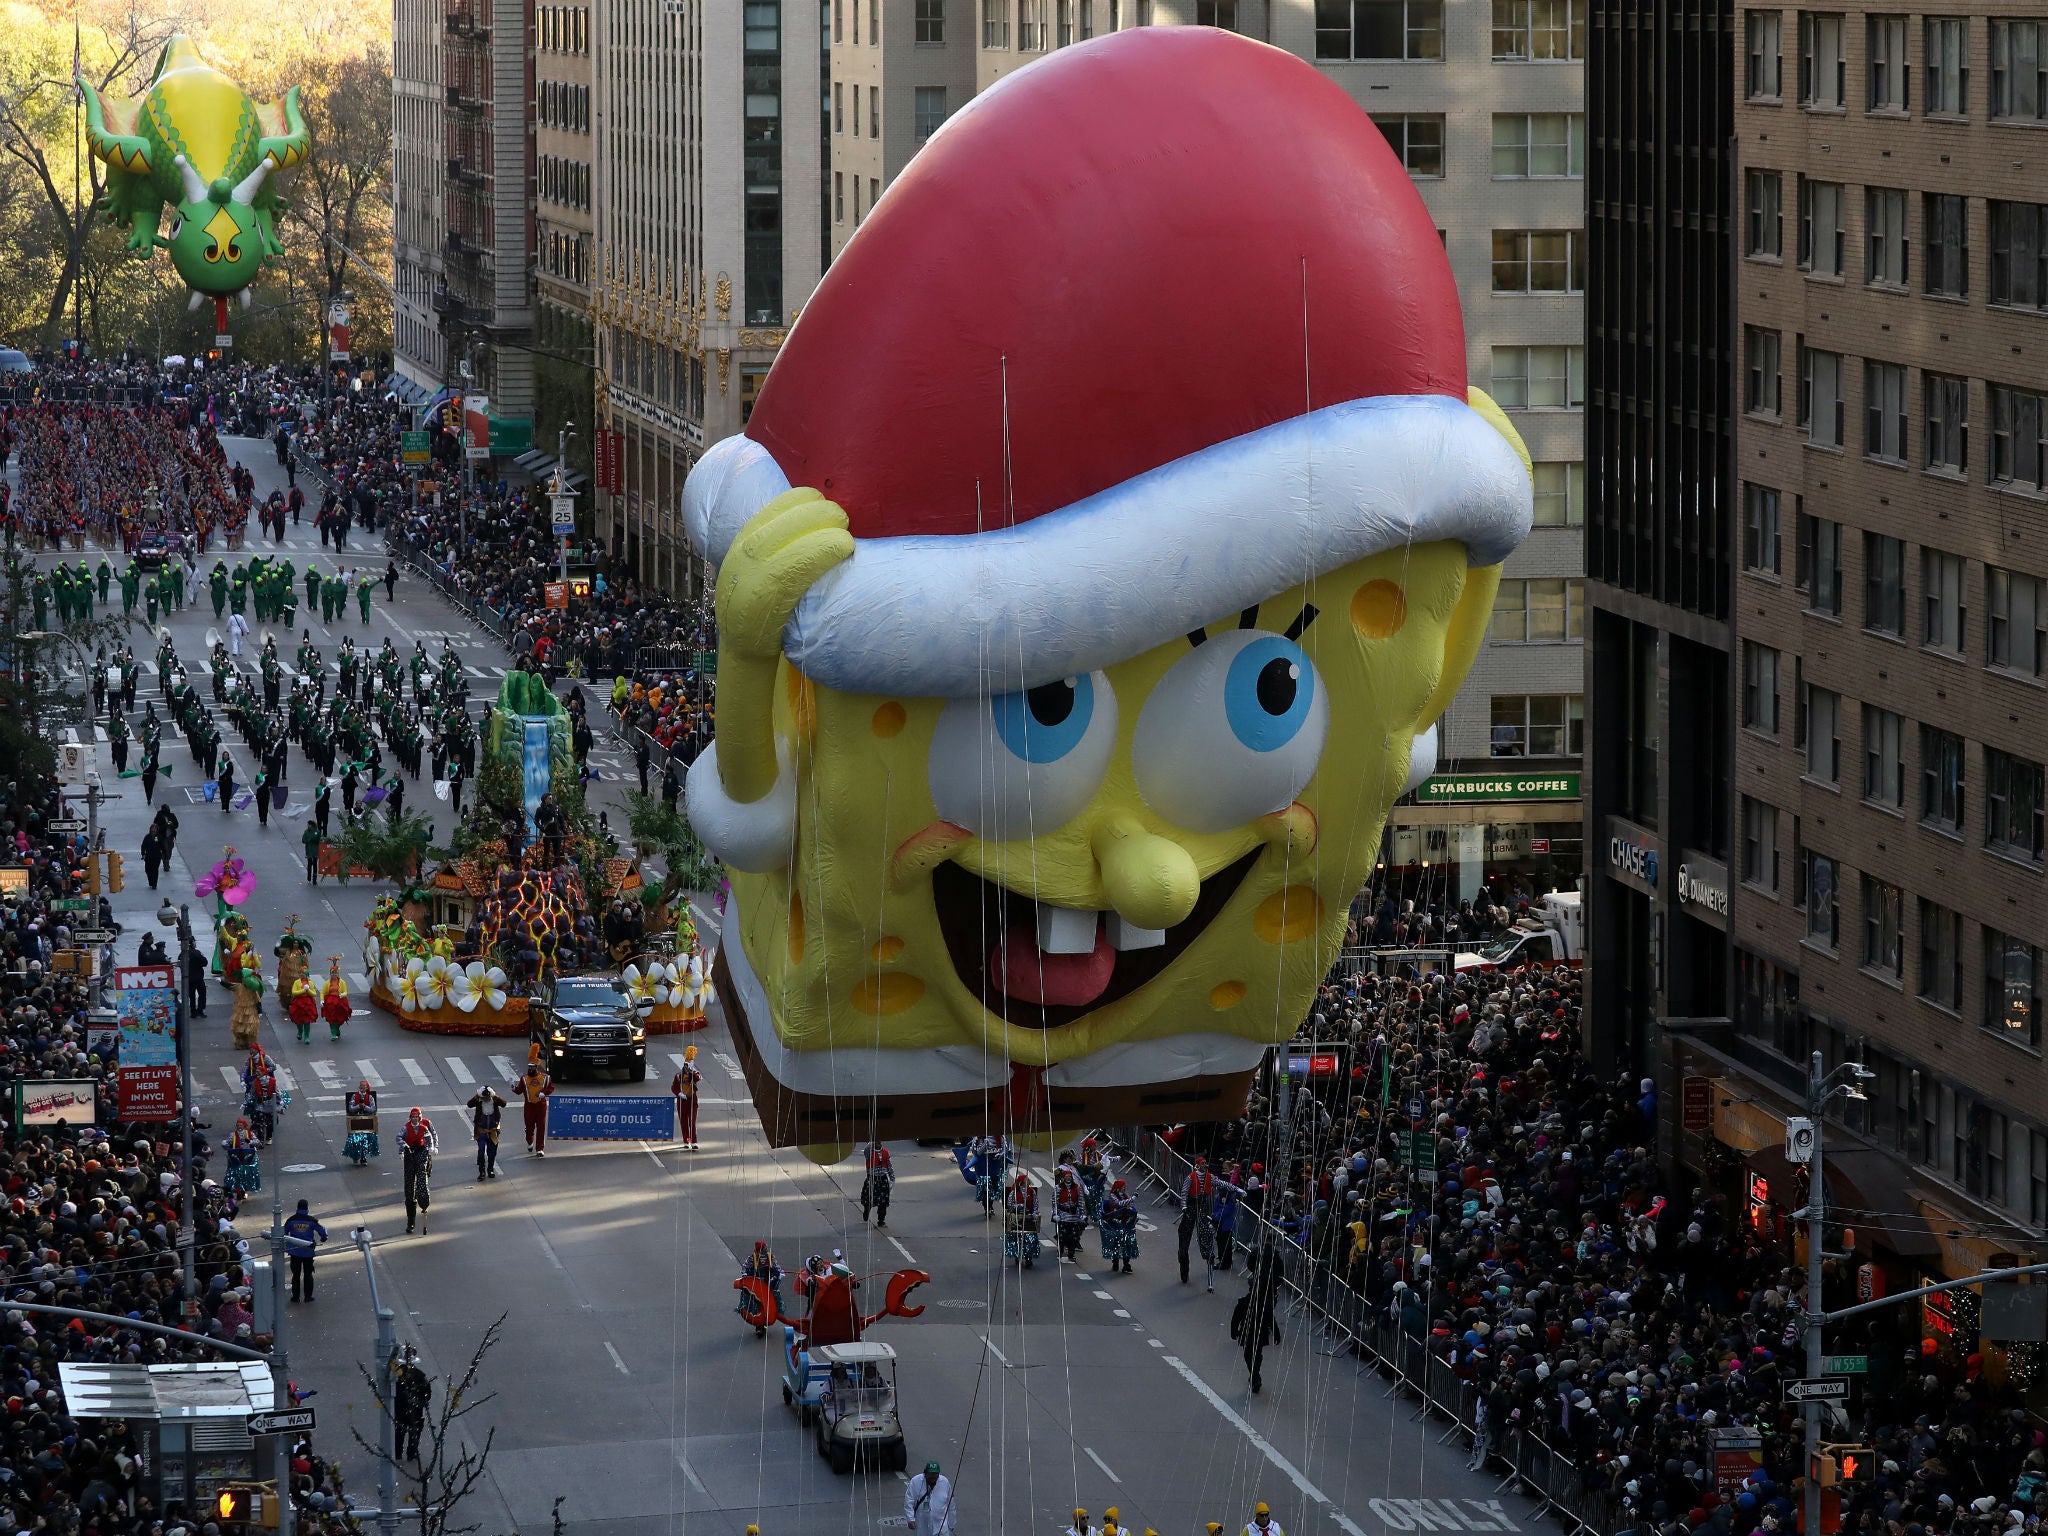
x=612, y=1264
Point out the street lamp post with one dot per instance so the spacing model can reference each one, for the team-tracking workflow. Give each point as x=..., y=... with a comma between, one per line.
x=387, y=1369
x=1821, y=1087
x=181, y=919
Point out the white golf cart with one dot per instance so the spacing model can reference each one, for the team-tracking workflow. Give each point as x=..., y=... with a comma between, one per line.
x=856, y=1413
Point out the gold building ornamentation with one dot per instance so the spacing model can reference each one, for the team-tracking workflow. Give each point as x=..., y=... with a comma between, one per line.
x=724, y=367
x=722, y=296
x=762, y=338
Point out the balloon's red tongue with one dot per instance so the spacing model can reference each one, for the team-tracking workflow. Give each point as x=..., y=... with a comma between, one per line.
x=1020, y=969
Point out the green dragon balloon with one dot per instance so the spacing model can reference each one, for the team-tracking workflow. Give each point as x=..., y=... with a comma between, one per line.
x=195, y=140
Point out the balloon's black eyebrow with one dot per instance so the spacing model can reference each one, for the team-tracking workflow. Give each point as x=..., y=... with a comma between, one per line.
x=1302, y=620
x=1249, y=619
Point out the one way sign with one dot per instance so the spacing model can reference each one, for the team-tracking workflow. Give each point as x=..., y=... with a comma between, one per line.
x=1832, y=1389
x=280, y=1423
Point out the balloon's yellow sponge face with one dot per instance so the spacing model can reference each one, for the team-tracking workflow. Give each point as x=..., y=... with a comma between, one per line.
x=1166, y=847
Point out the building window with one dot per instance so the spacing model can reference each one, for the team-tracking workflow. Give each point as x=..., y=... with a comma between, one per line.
x=1941, y=955
x=838, y=21
x=2019, y=438
x=2012, y=988
x=1884, y=223
x=1766, y=55
x=1946, y=241
x=1762, y=357
x=931, y=23
x=874, y=108
x=1766, y=214
x=1823, y=62
x=1823, y=238
x=2019, y=70
x=1941, y=598
x=1820, y=396
x=1883, y=917
x=1760, y=528
x=1759, y=844
x=839, y=197
x=1823, y=726
x=1539, y=29
x=1884, y=411
x=1818, y=881
x=1417, y=139
x=874, y=23
x=1941, y=778
x=1560, y=494
x=1539, y=725
x=1539, y=378
x=2012, y=805
x=1946, y=429
x=995, y=23
x=1538, y=610
x=1884, y=757
x=1884, y=584
x=1063, y=22
x=2019, y=254
x=2016, y=631
x=1948, y=66
x=1889, y=72
x=1760, y=688
x=1817, y=569
x=1539, y=261
x=1379, y=29
x=1532, y=145
x=1216, y=13
x=1031, y=26
x=928, y=110
x=838, y=107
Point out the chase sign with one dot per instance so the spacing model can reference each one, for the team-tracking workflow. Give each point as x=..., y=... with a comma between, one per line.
x=1632, y=854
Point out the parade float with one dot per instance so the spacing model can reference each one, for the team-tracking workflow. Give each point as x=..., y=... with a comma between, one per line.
x=508, y=904
x=230, y=882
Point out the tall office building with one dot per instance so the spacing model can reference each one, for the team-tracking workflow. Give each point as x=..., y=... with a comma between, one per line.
x=1660, y=517
x=1485, y=105
x=564, y=230
x=1892, y=589
x=708, y=128
x=472, y=163
x=419, y=154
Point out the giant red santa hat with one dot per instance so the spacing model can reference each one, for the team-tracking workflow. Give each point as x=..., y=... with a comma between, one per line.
x=1153, y=329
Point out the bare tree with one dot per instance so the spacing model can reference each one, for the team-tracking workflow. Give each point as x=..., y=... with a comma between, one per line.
x=37, y=97
x=341, y=197
x=447, y=1469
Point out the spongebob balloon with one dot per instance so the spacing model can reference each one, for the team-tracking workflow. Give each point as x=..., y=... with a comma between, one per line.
x=195, y=140
x=1109, y=537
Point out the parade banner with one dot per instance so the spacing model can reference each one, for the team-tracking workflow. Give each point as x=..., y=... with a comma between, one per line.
x=601, y=1117
x=145, y=1011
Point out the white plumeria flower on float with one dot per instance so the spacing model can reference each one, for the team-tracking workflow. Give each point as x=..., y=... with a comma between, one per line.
x=436, y=982
x=410, y=985
x=644, y=986
x=477, y=985
x=690, y=982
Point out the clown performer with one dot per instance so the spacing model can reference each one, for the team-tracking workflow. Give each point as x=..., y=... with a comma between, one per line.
x=1096, y=710
x=361, y=1144
x=1119, y=1227
x=245, y=1172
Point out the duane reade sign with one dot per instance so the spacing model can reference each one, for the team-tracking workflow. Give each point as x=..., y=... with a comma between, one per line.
x=1703, y=885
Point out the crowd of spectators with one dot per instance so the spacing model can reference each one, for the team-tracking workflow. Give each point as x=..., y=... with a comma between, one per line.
x=1581, y=1298
x=88, y=1220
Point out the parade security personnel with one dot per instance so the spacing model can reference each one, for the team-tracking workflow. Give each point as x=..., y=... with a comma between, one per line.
x=301, y=1226
x=929, y=1499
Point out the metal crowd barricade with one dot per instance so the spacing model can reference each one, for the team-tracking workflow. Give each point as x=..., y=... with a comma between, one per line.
x=1539, y=1469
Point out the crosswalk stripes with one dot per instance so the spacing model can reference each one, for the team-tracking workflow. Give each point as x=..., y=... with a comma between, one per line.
x=370, y=1073
x=461, y=1072
x=358, y=982
x=234, y=1080
x=324, y=1070
x=503, y=1066
x=412, y=1070
x=286, y=1081
x=732, y=1068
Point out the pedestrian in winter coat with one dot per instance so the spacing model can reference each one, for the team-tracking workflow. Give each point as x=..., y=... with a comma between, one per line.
x=486, y=1118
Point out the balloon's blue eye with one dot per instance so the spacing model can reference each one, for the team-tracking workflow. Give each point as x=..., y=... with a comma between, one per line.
x=1268, y=692
x=1044, y=724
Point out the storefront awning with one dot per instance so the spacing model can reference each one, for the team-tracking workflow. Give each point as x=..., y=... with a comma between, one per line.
x=1871, y=1191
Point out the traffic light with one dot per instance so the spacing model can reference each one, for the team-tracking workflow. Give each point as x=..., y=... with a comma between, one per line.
x=246, y=1504
x=92, y=874
x=114, y=877
x=1823, y=1470
x=1855, y=1463
x=231, y=1505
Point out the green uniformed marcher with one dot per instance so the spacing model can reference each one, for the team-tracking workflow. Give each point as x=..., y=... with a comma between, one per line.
x=312, y=590
x=41, y=595
x=219, y=582
x=333, y=598
x=131, y=587
x=167, y=585
x=288, y=597
x=106, y=577
x=238, y=589
x=364, y=586
x=153, y=595
x=85, y=594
